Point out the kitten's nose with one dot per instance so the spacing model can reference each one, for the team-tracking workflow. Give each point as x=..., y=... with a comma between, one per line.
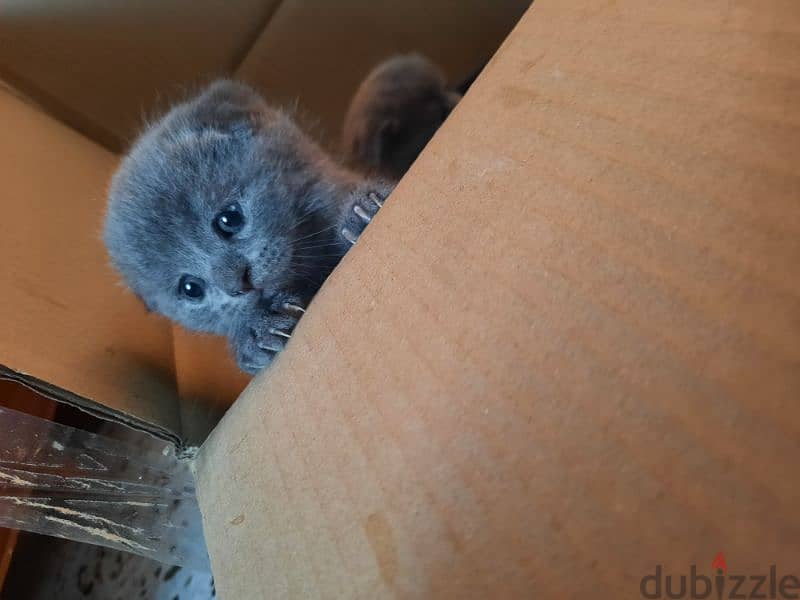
x=245, y=284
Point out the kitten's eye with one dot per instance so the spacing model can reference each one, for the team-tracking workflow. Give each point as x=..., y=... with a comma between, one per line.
x=229, y=221
x=192, y=288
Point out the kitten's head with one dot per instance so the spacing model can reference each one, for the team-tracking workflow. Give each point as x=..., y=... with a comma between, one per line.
x=204, y=210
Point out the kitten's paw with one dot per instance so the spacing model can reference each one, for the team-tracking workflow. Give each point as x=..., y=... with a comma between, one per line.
x=364, y=204
x=258, y=341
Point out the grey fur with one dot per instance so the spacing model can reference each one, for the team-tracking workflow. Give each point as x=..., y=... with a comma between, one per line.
x=394, y=113
x=228, y=146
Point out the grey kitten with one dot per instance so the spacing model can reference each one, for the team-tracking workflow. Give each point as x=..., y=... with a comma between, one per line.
x=394, y=113
x=226, y=218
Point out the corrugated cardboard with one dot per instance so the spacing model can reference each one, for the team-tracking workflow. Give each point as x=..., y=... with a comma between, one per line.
x=100, y=65
x=68, y=328
x=568, y=348
x=313, y=54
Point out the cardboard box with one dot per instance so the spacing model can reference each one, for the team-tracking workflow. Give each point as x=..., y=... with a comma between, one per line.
x=565, y=355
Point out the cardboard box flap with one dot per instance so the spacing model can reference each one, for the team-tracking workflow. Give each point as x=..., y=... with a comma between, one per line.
x=565, y=351
x=140, y=55
x=298, y=58
x=67, y=327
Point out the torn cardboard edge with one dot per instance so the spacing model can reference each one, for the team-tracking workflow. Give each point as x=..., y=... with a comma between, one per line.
x=96, y=409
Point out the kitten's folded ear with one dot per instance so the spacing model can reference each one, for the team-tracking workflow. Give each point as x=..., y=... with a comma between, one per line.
x=230, y=107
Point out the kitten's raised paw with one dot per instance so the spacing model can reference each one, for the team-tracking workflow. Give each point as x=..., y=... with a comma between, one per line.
x=363, y=206
x=258, y=341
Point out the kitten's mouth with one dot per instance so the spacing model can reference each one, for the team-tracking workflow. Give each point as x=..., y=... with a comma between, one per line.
x=246, y=284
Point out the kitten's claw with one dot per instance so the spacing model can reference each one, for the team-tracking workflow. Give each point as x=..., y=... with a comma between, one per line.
x=266, y=332
x=268, y=347
x=360, y=210
x=274, y=331
x=293, y=308
x=364, y=203
x=349, y=235
x=362, y=213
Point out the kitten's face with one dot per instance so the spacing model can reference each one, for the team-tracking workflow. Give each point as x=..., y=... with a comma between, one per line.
x=205, y=210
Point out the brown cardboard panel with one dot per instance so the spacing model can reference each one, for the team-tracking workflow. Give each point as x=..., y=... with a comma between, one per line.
x=566, y=351
x=100, y=65
x=67, y=327
x=313, y=54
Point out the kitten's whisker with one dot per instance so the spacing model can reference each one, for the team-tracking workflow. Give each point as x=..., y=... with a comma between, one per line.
x=316, y=233
x=313, y=247
x=315, y=278
x=268, y=347
x=304, y=275
x=316, y=255
x=300, y=222
x=303, y=218
x=310, y=267
x=307, y=278
x=321, y=248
